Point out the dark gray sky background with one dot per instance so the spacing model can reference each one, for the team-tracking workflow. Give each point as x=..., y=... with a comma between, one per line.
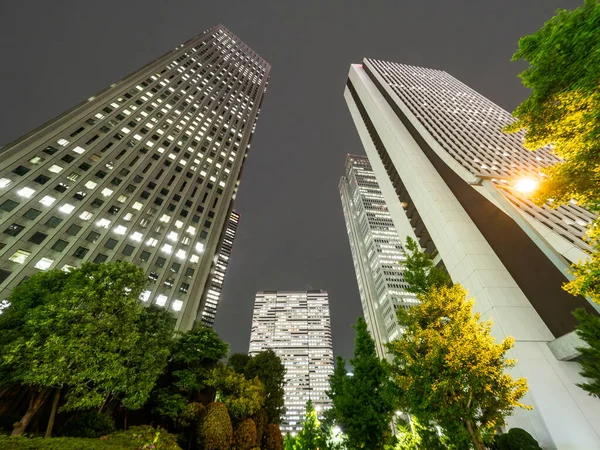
x=54, y=54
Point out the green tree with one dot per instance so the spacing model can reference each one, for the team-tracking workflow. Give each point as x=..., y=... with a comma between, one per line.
x=363, y=404
x=80, y=338
x=309, y=438
x=239, y=361
x=242, y=397
x=194, y=355
x=420, y=273
x=449, y=370
x=289, y=442
x=517, y=439
x=563, y=109
x=261, y=420
x=269, y=369
x=215, y=431
x=588, y=330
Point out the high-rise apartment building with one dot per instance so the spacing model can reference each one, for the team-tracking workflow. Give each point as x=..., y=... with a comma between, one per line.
x=454, y=181
x=146, y=171
x=214, y=287
x=377, y=252
x=296, y=326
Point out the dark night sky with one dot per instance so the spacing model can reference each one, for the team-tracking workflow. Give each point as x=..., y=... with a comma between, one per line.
x=292, y=235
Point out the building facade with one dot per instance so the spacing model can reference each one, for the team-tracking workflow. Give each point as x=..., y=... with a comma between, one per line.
x=212, y=293
x=377, y=252
x=453, y=180
x=296, y=326
x=146, y=171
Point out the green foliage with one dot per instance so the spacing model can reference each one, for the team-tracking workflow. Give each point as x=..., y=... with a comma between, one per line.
x=564, y=106
x=269, y=369
x=289, y=442
x=261, y=420
x=136, y=438
x=516, y=439
x=363, y=404
x=239, y=361
x=242, y=397
x=308, y=438
x=589, y=331
x=420, y=272
x=449, y=370
x=194, y=355
x=88, y=424
x=587, y=273
x=244, y=437
x=273, y=439
x=406, y=438
x=83, y=333
x=215, y=431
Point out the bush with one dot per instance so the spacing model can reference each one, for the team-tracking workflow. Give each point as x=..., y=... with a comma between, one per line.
x=215, y=431
x=88, y=424
x=244, y=437
x=260, y=419
x=146, y=437
x=273, y=439
x=516, y=439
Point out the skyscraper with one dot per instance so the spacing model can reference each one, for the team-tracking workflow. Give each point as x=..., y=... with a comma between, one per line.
x=454, y=181
x=146, y=171
x=376, y=251
x=217, y=274
x=296, y=326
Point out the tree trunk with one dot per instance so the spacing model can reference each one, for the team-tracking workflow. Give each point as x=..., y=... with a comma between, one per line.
x=477, y=442
x=52, y=414
x=36, y=402
x=103, y=403
x=125, y=422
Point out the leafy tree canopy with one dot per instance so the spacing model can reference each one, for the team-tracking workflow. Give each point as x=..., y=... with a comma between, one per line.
x=242, y=397
x=589, y=331
x=239, y=361
x=563, y=109
x=449, y=369
x=269, y=369
x=420, y=273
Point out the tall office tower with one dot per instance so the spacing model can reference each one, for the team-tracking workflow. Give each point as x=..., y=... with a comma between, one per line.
x=376, y=250
x=145, y=170
x=212, y=293
x=452, y=179
x=296, y=326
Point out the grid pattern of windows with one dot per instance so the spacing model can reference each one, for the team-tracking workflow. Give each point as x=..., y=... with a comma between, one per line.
x=297, y=327
x=469, y=127
x=376, y=251
x=145, y=171
x=217, y=275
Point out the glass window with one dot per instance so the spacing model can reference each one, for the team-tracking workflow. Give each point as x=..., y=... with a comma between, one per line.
x=160, y=261
x=14, y=229
x=9, y=205
x=73, y=230
x=44, y=263
x=32, y=213
x=38, y=237
x=20, y=256
x=21, y=170
x=100, y=258
x=145, y=256
x=41, y=179
x=128, y=250
x=92, y=237
x=111, y=243
x=80, y=252
x=175, y=267
x=60, y=245
x=53, y=222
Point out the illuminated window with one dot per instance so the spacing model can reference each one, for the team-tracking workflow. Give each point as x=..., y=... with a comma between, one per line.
x=161, y=300
x=136, y=236
x=152, y=242
x=62, y=142
x=172, y=236
x=200, y=247
x=176, y=305
x=79, y=150
x=20, y=256
x=55, y=169
x=66, y=208
x=103, y=223
x=91, y=184
x=4, y=182
x=120, y=229
x=44, y=263
x=180, y=254
x=107, y=192
x=47, y=200
x=194, y=258
x=26, y=192
x=165, y=218
x=138, y=206
x=167, y=248
x=145, y=296
x=86, y=215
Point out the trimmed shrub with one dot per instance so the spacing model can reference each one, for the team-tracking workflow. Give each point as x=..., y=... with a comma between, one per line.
x=244, y=437
x=516, y=439
x=273, y=439
x=145, y=437
x=260, y=419
x=88, y=424
x=215, y=431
